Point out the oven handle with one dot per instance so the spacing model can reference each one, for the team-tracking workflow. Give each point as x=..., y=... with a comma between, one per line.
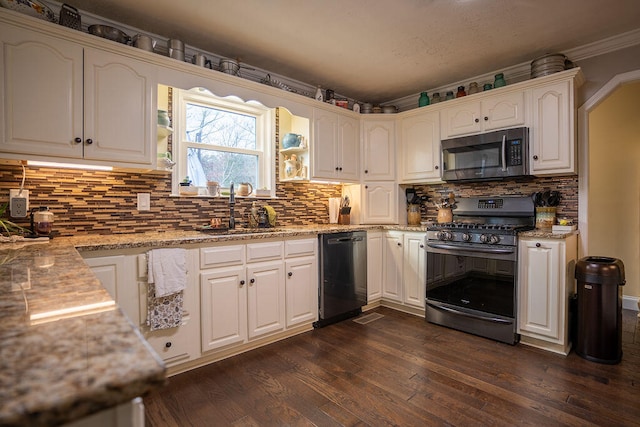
x=474, y=316
x=504, y=152
x=489, y=250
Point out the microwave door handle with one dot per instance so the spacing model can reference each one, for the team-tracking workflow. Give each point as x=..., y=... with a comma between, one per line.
x=504, y=152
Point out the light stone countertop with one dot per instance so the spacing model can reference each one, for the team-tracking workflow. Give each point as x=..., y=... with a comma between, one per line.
x=67, y=350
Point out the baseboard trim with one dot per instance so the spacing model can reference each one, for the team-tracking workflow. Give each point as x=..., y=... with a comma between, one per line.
x=631, y=303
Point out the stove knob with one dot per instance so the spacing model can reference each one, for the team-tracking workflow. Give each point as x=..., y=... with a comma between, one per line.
x=444, y=235
x=466, y=237
x=491, y=239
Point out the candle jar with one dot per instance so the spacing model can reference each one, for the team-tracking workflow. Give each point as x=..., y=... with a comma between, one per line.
x=445, y=215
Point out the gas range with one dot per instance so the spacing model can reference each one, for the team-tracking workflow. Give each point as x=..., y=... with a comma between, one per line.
x=486, y=221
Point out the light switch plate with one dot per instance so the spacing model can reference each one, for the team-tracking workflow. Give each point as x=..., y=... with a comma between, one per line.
x=144, y=201
x=18, y=203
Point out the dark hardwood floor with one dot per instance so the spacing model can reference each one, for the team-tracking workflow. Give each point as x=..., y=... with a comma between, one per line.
x=400, y=370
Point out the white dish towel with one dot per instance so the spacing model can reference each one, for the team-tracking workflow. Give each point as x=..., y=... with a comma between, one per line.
x=167, y=270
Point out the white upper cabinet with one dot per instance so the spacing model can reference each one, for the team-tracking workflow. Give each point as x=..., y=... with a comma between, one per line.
x=552, y=139
x=379, y=202
x=470, y=116
x=57, y=104
x=419, y=145
x=335, y=146
x=378, y=150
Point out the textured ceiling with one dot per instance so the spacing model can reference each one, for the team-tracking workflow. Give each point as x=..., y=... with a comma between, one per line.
x=377, y=50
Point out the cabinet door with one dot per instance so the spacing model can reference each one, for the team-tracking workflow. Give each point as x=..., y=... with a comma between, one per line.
x=266, y=301
x=539, y=293
x=379, y=203
x=41, y=94
x=552, y=136
x=301, y=290
x=503, y=111
x=414, y=269
x=374, y=265
x=378, y=150
x=420, y=148
x=349, y=147
x=120, y=108
x=324, y=144
x=392, y=266
x=223, y=307
x=461, y=119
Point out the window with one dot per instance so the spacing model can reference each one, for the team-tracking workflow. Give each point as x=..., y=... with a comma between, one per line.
x=222, y=139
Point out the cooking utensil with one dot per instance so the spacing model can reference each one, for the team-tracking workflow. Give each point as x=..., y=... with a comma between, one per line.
x=144, y=42
x=176, y=49
x=69, y=17
x=110, y=33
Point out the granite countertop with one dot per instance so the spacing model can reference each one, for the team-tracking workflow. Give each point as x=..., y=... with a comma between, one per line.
x=67, y=349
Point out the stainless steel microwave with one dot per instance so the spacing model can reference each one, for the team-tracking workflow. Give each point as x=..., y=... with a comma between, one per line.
x=488, y=156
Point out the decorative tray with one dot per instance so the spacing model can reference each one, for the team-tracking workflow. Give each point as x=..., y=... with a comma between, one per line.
x=30, y=7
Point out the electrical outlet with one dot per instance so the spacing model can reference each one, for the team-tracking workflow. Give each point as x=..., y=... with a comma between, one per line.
x=18, y=203
x=144, y=201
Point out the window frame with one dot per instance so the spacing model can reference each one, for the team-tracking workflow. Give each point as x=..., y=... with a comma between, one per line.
x=265, y=133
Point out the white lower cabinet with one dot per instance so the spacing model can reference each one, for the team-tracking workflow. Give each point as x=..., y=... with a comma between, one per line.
x=124, y=275
x=301, y=290
x=414, y=269
x=404, y=268
x=375, y=244
x=263, y=289
x=545, y=286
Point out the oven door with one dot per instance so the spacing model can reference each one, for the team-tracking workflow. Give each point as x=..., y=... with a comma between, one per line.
x=473, y=288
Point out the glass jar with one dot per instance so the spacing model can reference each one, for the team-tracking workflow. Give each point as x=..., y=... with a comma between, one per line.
x=413, y=214
x=473, y=88
x=499, y=80
x=487, y=86
x=449, y=95
x=461, y=92
x=435, y=98
x=423, y=100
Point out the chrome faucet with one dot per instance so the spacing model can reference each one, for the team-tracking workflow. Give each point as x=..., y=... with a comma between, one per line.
x=232, y=202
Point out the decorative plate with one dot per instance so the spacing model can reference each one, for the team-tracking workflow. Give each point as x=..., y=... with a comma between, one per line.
x=30, y=7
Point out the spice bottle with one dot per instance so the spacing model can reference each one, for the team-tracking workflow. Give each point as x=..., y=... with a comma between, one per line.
x=461, y=92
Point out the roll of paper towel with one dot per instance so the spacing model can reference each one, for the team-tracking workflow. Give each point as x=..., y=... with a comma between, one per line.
x=334, y=209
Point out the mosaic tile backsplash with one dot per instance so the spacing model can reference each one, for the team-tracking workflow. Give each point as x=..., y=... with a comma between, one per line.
x=85, y=202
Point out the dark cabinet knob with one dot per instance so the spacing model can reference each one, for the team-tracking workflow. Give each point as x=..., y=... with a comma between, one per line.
x=486, y=119
x=476, y=120
x=290, y=274
x=167, y=344
x=337, y=168
x=241, y=282
x=535, y=157
x=340, y=168
x=538, y=245
x=399, y=244
x=366, y=186
x=77, y=140
x=437, y=167
x=252, y=281
x=89, y=141
x=366, y=171
x=421, y=246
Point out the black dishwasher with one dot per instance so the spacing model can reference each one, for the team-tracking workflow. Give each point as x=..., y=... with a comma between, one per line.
x=343, y=276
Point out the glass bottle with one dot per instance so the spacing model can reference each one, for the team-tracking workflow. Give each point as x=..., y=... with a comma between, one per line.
x=499, y=80
x=487, y=86
x=461, y=92
x=449, y=95
x=423, y=100
x=473, y=88
x=435, y=98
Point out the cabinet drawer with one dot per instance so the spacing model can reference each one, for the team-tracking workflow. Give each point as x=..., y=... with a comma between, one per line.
x=257, y=252
x=222, y=256
x=170, y=344
x=302, y=247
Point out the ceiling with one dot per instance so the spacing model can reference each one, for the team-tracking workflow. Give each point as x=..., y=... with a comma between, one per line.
x=377, y=50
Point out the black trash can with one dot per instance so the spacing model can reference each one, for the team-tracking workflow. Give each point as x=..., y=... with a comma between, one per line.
x=599, y=329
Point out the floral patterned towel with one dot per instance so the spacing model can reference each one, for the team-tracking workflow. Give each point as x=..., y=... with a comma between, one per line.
x=164, y=312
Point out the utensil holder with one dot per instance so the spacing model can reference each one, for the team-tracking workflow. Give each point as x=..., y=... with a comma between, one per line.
x=445, y=215
x=545, y=217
